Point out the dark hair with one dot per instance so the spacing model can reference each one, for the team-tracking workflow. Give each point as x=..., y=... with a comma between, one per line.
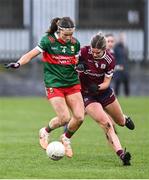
x=66, y=22
x=53, y=27
x=98, y=41
x=56, y=23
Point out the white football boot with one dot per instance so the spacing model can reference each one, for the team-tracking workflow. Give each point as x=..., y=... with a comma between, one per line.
x=67, y=144
x=43, y=138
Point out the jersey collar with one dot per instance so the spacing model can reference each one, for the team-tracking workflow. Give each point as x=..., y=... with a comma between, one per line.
x=59, y=39
x=103, y=55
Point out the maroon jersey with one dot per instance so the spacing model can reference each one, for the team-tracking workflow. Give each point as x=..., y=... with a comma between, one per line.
x=95, y=69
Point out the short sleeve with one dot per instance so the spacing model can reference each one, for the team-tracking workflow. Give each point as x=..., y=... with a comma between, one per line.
x=110, y=68
x=42, y=45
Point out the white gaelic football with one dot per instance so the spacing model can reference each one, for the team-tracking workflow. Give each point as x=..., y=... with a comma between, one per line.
x=55, y=150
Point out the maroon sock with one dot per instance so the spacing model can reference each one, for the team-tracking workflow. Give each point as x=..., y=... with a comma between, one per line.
x=48, y=129
x=68, y=133
x=120, y=153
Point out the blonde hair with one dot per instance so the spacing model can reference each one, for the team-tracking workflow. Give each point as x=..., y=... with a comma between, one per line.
x=98, y=41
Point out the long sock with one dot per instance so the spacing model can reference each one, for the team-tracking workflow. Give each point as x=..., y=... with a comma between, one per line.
x=48, y=129
x=68, y=133
x=120, y=153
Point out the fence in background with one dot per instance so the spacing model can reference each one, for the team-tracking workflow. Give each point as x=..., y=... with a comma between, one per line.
x=38, y=13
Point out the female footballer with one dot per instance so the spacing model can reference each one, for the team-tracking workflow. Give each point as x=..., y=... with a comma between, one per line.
x=96, y=67
x=60, y=55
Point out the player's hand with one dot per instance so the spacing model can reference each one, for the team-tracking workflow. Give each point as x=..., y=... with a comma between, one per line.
x=12, y=65
x=80, y=67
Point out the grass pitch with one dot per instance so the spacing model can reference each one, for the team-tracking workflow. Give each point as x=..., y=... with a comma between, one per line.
x=21, y=156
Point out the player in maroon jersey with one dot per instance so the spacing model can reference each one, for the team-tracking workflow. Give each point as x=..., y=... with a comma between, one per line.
x=96, y=67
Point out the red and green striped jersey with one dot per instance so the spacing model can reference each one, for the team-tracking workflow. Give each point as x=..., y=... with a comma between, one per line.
x=59, y=59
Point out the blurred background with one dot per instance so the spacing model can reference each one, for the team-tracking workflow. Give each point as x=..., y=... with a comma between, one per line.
x=24, y=22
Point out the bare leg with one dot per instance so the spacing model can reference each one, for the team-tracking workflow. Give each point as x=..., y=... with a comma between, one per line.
x=115, y=111
x=62, y=111
x=75, y=103
x=96, y=111
x=63, y=116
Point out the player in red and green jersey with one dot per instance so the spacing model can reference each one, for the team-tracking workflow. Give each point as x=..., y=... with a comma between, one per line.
x=60, y=52
x=59, y=59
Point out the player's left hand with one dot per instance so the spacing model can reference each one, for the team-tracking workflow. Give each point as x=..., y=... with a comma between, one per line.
x=12, y=65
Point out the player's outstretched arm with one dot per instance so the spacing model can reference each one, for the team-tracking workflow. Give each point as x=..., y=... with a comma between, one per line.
x=14, y=65
x=24, y=59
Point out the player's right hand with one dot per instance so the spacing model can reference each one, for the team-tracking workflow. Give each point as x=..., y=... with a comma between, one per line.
x=12, y=65
x=80, y=67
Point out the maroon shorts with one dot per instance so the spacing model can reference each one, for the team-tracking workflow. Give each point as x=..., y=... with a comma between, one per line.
x=107, y=97
x=62, y=91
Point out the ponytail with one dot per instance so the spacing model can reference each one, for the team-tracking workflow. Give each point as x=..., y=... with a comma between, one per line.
x=53, y=27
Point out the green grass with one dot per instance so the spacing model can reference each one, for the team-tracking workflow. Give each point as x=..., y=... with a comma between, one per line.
x=21, y=156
